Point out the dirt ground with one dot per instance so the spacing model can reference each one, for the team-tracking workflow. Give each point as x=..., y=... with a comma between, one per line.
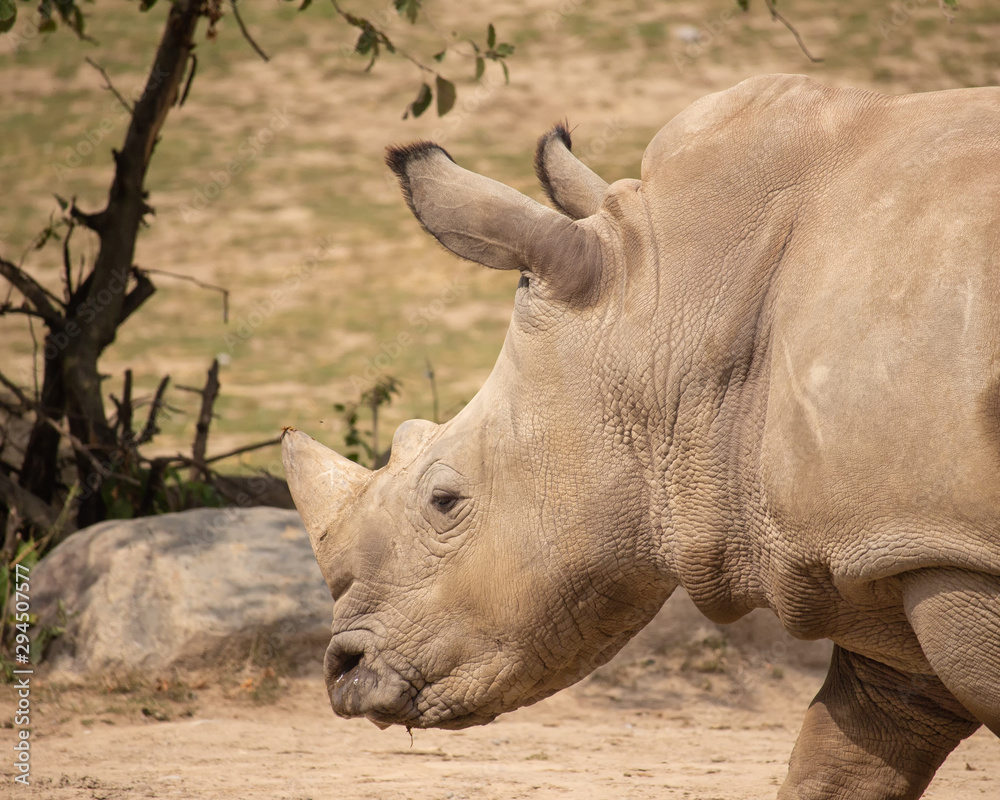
x=688, y=710
x=578, y=744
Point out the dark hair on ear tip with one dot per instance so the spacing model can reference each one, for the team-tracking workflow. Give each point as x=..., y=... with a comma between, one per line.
x=560, y=131
x=398, y=157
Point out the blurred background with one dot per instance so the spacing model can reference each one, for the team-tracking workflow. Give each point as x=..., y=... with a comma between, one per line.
x=269, y=180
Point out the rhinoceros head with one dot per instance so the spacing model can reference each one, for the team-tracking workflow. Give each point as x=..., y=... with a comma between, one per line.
x=505, y=554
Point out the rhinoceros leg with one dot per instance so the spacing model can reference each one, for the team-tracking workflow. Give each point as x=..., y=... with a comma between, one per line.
x=956, y=616
x=873, y=733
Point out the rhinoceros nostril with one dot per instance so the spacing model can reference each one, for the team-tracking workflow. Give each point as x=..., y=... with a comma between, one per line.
x=349, y=662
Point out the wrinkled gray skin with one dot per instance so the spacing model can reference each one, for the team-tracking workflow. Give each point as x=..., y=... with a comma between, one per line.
x=769, y=373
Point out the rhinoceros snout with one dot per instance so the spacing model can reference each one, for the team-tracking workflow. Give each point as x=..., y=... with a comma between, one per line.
x=357, y=688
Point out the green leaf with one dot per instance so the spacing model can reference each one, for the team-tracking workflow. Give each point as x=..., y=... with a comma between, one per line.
x=480, y=67
x=8, y=15
x=47, y=26
x=506, y=74
x=491, y=36
x=504, y=49
x=77, y=22
x=366, y=41
x=419, y=106
x=743, y=4
x=439, y=57
x=446, y=95
x=408, y=8
x=145, y=5
x=305, y=5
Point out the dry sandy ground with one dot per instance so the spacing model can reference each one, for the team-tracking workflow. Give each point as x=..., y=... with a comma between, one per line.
x=579, y=744
x=687, y=710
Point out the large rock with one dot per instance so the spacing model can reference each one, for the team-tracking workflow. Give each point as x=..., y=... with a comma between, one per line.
x=190, y=590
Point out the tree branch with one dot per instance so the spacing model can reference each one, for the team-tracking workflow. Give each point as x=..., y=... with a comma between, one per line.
x=118, y=225
x=245, y=449
x=108, y=84
x=144, y=289
x=245, y=32
x=208, y=395
x=203, y=285
x=17, y=391
x=33, y=292
x=35, y=510
x=795, y=33
x=67, y=260
x=150, y=430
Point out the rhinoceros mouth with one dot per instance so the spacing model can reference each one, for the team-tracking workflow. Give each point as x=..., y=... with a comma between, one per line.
x=361, y=686
x=360, y=683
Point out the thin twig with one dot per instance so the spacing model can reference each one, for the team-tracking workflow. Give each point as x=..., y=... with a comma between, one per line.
x=109, y=85
x=18, y=393
x=795, y=33
x=245, y=449
x=245, y=32
x=150, y=430
x=384, y=40
x=79, y=447
x=190, y=78
x=203, y=465
x=202, y=284
x=33, y=291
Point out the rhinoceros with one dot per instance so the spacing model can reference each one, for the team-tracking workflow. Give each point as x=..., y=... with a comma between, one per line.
x=768, y=372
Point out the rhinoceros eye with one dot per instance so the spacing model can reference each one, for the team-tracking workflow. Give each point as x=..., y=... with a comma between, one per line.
x=523, y=283
x=443, y=501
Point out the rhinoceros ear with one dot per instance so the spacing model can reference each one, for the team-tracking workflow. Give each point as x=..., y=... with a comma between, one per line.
x=571, y=185
x=496, y=226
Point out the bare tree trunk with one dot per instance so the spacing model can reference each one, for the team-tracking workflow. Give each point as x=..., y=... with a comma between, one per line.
x=40, y=470
x=102, y=301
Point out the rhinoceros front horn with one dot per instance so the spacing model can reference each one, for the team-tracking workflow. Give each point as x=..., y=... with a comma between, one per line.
x=321, y=481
